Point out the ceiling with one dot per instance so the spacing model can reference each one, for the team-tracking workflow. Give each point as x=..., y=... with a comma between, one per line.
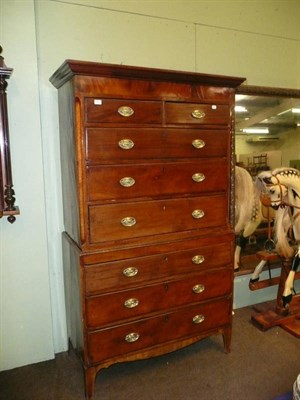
x=272, y=112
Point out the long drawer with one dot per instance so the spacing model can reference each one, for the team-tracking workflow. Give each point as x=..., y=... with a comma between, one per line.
x=107, y=144
x=136, y=219
x=128, y=304
x=187, y=322
x=142, y=270
x=157, y=179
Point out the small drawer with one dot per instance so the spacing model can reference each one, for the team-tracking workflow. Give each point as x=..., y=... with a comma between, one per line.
x=195, y=143
x=109, y=144
x=136, y=271
x=119, y=306
x=123, y=111
x=186, y=322
x=194, y=113
x=157, y=179
x=136, y=219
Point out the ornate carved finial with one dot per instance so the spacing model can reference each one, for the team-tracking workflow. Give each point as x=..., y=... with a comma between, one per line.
x=1, y=59
x=5, y=72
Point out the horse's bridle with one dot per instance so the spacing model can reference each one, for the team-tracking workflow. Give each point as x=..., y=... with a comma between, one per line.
x=282, y=204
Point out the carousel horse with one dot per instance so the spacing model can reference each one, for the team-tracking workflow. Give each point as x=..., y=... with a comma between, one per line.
x=282, y=188
x=248, y=210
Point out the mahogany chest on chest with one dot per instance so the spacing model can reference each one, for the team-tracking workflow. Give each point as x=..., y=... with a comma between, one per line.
x=147, y=175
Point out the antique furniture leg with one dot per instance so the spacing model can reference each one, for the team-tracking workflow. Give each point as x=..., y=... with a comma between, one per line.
x=227, y=339
x=90, y=376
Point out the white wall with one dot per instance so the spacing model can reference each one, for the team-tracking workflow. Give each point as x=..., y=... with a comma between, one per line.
x=291, y=146
x=25, y=308
x=252, y=39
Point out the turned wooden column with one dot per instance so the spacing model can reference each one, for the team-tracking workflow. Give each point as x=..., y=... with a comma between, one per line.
x=7, y=193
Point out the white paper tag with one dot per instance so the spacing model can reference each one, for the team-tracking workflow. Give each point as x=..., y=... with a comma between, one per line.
x=97, y=102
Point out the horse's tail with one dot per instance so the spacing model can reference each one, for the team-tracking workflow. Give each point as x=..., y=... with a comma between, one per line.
x=282, y=224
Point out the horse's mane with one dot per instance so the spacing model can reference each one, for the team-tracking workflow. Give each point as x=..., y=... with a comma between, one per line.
x=284, y=171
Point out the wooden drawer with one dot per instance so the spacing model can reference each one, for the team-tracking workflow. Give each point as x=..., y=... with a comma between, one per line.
x=136, y=271
x=108, y=308
x=159, y=179
x=105, y=145
x=136, y=219
x=123, y=111
x=194, y=113
x=135, y=336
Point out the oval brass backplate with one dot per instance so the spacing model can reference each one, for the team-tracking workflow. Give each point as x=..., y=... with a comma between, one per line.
x=125, y=111
x=199, y=288
x=197, y=214
x=198, y=319
x=198, y=177
x=198, y=114
x=130, y=271
x=198, y=143
x=126, y=144
x=198, y=259
x=127, y=181
x=128, y=221
x=132, y=337
x=131, y=303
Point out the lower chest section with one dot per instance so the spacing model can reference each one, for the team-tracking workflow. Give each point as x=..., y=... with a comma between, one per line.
x=178, y=290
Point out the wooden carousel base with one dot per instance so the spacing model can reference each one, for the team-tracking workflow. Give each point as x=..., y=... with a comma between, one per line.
x=268, y=315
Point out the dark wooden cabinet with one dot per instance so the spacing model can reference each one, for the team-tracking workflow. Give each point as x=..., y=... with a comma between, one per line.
x=148, y=209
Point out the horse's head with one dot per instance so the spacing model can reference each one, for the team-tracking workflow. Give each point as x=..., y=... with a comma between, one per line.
x=272, y=192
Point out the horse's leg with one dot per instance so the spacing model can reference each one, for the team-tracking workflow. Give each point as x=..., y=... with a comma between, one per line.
x=287, y=294
x=257, y=271
x=237, y=255
x=239, y=245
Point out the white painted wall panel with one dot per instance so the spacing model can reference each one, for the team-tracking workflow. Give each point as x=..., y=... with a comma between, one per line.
x=91, y=34
x=25, y=308
x=261, y=59
x=279, y=18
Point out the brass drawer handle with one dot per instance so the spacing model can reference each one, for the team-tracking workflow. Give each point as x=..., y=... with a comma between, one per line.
x=125, y=111
x=127, y=181
x=130, y=271
x=132, y=337
x=197, y=214
x=198, y=143
x=126, y=144
x=198, y=259
x=128, y=221
x=198, y=114
x=131, y=303
x=198, y=177
x=199, y=288
x=198, y=319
